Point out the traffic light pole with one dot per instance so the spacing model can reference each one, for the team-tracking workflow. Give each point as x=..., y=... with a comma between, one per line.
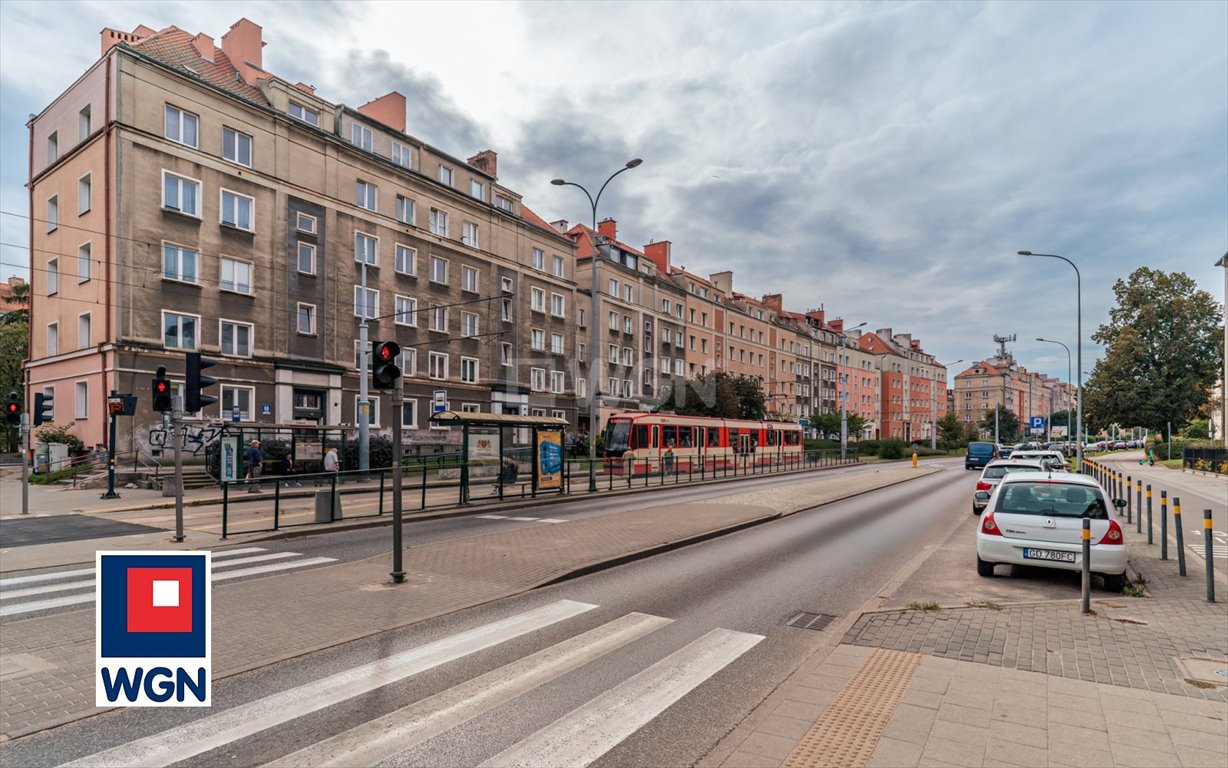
x=25, y=464
x=177, y=429
x=111, y=494
x=398, y=405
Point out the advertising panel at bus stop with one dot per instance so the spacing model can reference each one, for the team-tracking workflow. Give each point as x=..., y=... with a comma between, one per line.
x=549, y=458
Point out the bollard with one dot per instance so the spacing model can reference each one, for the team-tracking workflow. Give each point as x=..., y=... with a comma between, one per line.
x=1138, y=521
x=1206, y=553
x=1129, y=498
x=1149, y=526
x=1087, y=565
x=1180, y=535
x=914, y=459
x=1163, y=525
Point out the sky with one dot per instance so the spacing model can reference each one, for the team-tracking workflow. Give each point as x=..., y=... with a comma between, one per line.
x=883, y=161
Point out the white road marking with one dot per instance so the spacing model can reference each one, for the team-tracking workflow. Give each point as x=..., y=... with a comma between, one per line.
x=588, y=732
x=377, y=740
x=255, y=559
x=523, y=519
x=200, y=736
x=16, y=580
x=550, y=520
x=491, y=517
x=271, y=568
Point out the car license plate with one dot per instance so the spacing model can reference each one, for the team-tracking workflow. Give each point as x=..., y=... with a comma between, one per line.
x=1049, y=554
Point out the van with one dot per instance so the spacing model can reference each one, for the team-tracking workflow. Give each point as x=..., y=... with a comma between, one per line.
x=980, y=454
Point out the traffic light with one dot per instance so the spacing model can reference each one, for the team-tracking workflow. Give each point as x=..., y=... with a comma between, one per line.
x=384, y=371
x=193, y=400
x=161, y=390
x=12, y=411
x=44, y=408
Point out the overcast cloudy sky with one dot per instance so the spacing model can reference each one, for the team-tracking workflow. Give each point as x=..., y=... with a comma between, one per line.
x=883, y=160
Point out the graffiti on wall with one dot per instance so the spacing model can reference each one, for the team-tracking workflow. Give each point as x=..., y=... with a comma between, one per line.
x=196, y=437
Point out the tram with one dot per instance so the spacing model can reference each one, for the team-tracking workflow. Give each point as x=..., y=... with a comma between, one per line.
x=651, y=443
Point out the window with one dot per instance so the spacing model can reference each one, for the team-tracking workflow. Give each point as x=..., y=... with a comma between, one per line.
x=678, y=367
x=476, y=190
x=366, y=249
x=471, y=407
x=581, y=388
x=180, y=126
x=305, y=223
x=400, y=155
x=556, y=266
x=539, y=260
x=360, y=136
x=502, y=203
x=665, y=306
x=179, y=193
x=469, y=279
x=53, y=276
x=613, y=288
x=627, y=326
x=439, y=319
x=366, y=302
x=445, y=175
x=581, y=352
x=179, y=331
x=84, y=261
x=628, y=356
x=537, y=339
x=237, y=210
x=439, y=270
x=469, y=234
x=306, y=114
x=677, y=338
x=240, y=397
x=53, y=213
x=469, y=370
x=405, y=210
x=438, y=365
x=53, y=147
x=439, y=222
x=614, y=354
x=537, y=379
x=372, y=410
x=409, y=413
x=84, y=186
x=406, y=260
x=469, y=324
x=538, y=302
x=558, y=305
x=179, y=263
x=235, y=338
x=612, y=387
x=506, y=285
x=580, y=318
x=559, y=414
x=558, y=382
x=505, y=354
x=628, y=389
x=665, y=365
x=613, y=321
x=406, y=311
x=82, y=400
x=53, y=339
x=83, y=331
x=306, y=258
x=237, y=147
x=506, y=310
x=366, y=195
x=556, y=343
x=627, y=293
x=307, y=319
x=236, y=276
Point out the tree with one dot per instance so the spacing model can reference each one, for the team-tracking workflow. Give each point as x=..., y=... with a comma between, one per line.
x=971, y=433
x=951, y=431
x=711, y=395
x=1163, y=352
x=856, y=424
x=751, y=402
x=1008, y=424
x=19, y=298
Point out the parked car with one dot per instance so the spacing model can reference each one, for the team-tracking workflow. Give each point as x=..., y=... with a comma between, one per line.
x=1051, y=460
x=1004, y=451
x=1036, y=519
x=993, y=474
x=979, y=454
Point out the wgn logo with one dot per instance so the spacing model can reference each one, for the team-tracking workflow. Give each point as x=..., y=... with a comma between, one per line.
x=153, y=629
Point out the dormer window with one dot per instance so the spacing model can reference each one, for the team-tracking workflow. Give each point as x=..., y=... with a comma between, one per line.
x=445, y=175
x=306, y=114
x=360, y=136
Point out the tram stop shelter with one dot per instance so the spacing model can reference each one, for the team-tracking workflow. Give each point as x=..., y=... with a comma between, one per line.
x=499, y=447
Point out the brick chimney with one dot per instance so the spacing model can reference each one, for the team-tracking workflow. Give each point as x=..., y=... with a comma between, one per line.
x=486, y=161
x=774, y=302
x=560, y=226
x=204, y=46
x=243, y=46
x=837, y=325
x=658, y=253
x=113, y=37
x=388, y=109
x=306, y=88
x=608, y=228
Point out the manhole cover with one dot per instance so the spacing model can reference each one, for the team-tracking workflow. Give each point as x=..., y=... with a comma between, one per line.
x=1214, y=671
x=805, y=620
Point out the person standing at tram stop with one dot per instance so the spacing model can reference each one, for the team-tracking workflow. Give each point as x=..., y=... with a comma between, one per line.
x=668, y=458
x=254, y=463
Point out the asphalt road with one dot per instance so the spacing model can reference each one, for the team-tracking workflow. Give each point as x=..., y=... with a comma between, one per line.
x=733, y=595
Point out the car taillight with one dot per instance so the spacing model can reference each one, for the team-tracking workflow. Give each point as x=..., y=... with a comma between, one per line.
x=1112, y=535
x=989, y=527
x=981, y=485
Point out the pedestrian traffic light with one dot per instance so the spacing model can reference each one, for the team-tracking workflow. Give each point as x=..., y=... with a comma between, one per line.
x=161, y=390
x=193, y=400
x=44, y=408
x=385, y=372
x=12, y=411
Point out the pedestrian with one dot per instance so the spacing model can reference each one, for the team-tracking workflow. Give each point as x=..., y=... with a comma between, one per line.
x=1151, y=455
x=254, y=464
x=330, y=461
x=288, y=470
x=669, y=459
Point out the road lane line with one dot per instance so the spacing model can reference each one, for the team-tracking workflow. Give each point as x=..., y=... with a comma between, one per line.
x=200, y=736
x=550, y=520
x=491, y=517
x=225, y=575
x=16, y=580
x=256, y=559
x=376, y=740
x=588, y=732
x=47, y=588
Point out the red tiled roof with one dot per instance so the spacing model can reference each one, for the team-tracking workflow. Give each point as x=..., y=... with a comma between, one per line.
x=583, y=234
x=173, y=47
x=532, y=218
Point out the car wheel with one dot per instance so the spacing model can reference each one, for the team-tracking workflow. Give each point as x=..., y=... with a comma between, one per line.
x=977, y=510
x=983, y=568
x=1114, y=584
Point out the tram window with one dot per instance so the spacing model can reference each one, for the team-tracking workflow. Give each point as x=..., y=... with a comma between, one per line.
x=735, y=440
x=669, y=435
x=714, y=437
x=684, y=437
x=655, y=434
x=771, y=437
x=641, y=436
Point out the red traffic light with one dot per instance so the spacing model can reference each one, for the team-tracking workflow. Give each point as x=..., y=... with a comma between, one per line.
x=13, y=407
x=162, y=386
x=385, y=353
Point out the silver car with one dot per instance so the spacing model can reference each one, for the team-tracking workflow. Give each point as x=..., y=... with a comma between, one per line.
x=992, y=475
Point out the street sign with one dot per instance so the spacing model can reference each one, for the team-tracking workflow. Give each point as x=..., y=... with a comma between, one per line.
x=234, y=414
x=1038, y=422
x=266, y=409
x=440, y=401
x=803, y=422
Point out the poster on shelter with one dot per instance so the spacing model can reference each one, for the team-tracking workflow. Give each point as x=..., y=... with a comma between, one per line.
x=484, y=447
x=549, y=459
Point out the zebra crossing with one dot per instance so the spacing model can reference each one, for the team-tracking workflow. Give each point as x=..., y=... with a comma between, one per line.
x=1219, y=544
x=577, y=738
x=547, y=520
x=26, y=594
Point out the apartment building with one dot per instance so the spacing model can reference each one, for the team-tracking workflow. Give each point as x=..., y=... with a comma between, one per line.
x=913, y=385
x=704, y=314
x=185, y=199
x=985, y=384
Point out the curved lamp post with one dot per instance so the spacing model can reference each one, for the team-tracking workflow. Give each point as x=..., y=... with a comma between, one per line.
x=1068, y=377
x=844, y=395
x=1079, y=355
x=592, y=321
x=934, y=404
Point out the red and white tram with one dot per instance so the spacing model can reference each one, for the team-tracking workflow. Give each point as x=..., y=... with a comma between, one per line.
x=648, y=443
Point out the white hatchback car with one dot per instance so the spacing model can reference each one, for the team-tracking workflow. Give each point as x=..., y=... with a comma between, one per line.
x=1036, y=518
x=992, y=475
x=1051, y=459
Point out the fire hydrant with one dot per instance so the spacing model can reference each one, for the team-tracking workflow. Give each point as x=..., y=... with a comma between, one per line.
x=914, y=459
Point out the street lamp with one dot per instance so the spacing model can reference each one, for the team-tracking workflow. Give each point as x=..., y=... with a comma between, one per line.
x=1079, y=355
x=844, y=395
x=592, y=321
x=1068, y=377
x=934, y=404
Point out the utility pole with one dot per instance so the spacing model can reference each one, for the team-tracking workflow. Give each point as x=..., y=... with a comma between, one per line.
x=364, y=349
x=177, y=429
x=24, y=440
x=398, y=406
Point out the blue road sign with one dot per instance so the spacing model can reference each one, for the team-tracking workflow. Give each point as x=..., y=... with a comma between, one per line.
x=440, y=401
x=1038, y=422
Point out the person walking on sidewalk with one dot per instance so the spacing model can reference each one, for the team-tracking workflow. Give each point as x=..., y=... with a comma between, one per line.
x=331, y=464
x=254, y=463
x=287, y=471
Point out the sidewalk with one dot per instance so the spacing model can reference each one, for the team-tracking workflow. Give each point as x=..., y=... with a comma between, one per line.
x=1022, y=682
x=49, y=660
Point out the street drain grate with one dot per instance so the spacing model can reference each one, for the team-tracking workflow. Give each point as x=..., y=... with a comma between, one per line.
x=806, y=620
